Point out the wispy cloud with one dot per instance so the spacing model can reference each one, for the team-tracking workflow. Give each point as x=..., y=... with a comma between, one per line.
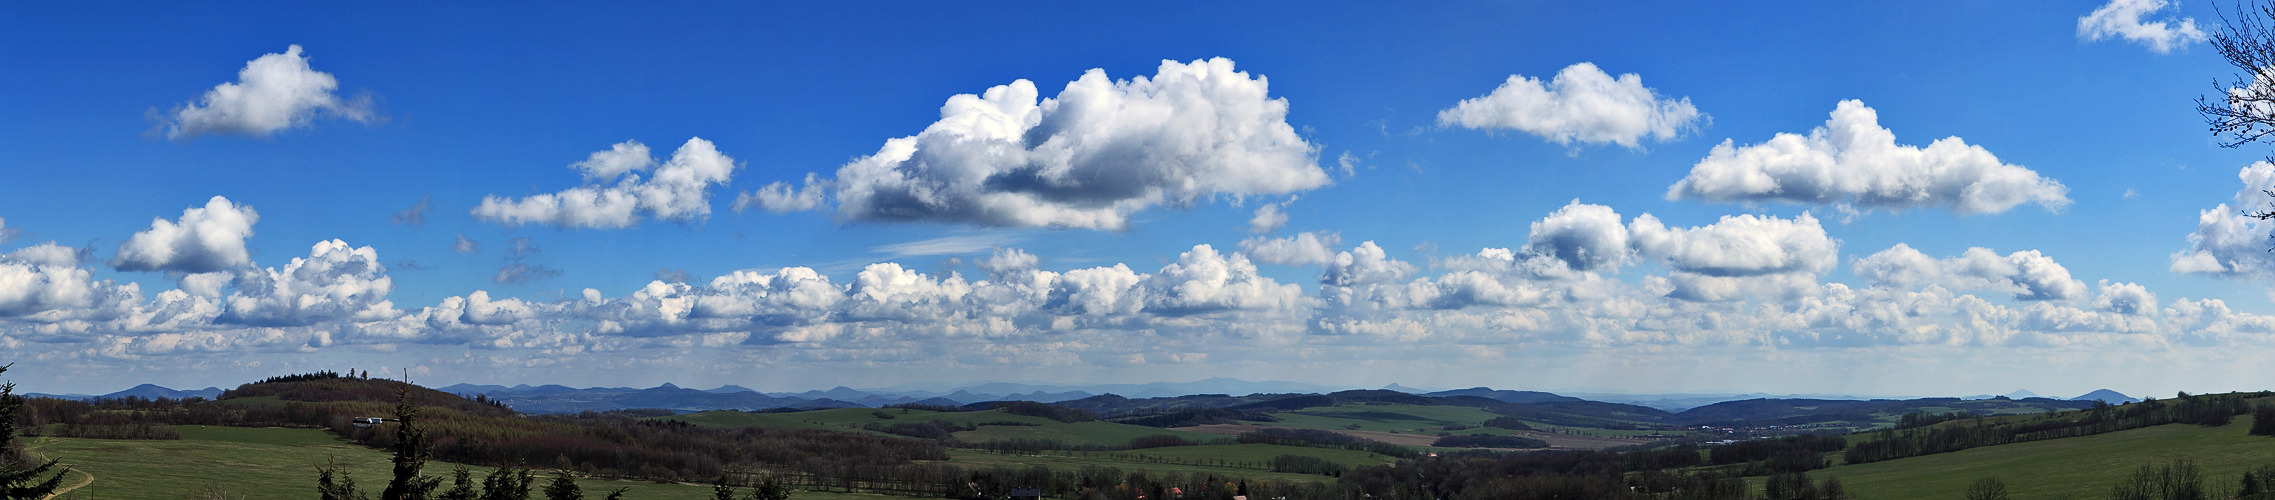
x=949, y=245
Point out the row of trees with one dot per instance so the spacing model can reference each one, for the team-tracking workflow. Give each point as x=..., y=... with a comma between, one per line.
x=1488, y=441
x=1322, y=439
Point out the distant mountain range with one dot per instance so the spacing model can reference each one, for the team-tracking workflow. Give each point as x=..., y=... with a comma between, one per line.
x=2102, y=395
x=562, y=399
x=146, y=391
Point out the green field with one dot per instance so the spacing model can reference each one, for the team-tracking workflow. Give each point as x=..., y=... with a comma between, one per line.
x=2078, y=467
x=1252, y=453
x=1077, y=460
x=270, y=463
x=1080, y=433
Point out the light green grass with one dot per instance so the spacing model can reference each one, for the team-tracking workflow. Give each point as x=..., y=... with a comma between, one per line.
x=270, y=463
x=2078, y=467
x=1252, y=453
x=1084, y=433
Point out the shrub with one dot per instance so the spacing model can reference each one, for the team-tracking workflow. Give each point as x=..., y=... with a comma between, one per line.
x=1510, y=423
x=1306, y=464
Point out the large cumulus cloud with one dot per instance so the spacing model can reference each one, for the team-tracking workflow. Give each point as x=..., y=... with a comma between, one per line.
x=205, y=239
x=2229, y=241
x=44, y=277
x=274, y=92
x=1581, y=104
x=2025, y=275
x=335, y=282
x=1853, y=160
x=1099, y=151
x=678, y=190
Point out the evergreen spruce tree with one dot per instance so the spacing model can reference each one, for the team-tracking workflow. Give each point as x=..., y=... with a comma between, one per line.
x=563, y=486
x=334, y=483
x=619, y=493
x=770, y=489
x=461, y=485
x=720, y=490
x=19, y=477
x=410, y=453
x=511, y=482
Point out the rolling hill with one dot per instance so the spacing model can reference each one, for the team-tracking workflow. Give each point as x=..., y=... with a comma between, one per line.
x=2076, y=467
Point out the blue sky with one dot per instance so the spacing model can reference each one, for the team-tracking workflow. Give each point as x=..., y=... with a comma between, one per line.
x=1510, y=246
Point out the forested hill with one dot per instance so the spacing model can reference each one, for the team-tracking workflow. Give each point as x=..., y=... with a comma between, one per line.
x=1799, y=411
x=328, y=387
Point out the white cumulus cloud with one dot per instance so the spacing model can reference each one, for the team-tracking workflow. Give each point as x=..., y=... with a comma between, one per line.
x=1099, y=151
x=780, y=197
x=205, y=239
x=274, y=92
x=1204, y=280
x=42, y=278
x=1739, y=245
x=1583, y=237
x=335, y=282
x=1582, y=103
x=1852, y=160
x=1269, y=217
x=2122, y=19
x=2026, y=275
x=2126, y=298
x=678, y=190
x=1308, y=248
x=2229, y=242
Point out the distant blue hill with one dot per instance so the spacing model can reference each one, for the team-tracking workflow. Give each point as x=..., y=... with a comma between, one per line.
x=2107, y=396
x=152, y=391
x=145, y=391
x=1507, y=396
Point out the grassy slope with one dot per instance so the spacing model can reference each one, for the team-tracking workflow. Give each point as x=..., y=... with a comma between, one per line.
x=1082, y=433
x=2079, y=467
x=271, y=463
